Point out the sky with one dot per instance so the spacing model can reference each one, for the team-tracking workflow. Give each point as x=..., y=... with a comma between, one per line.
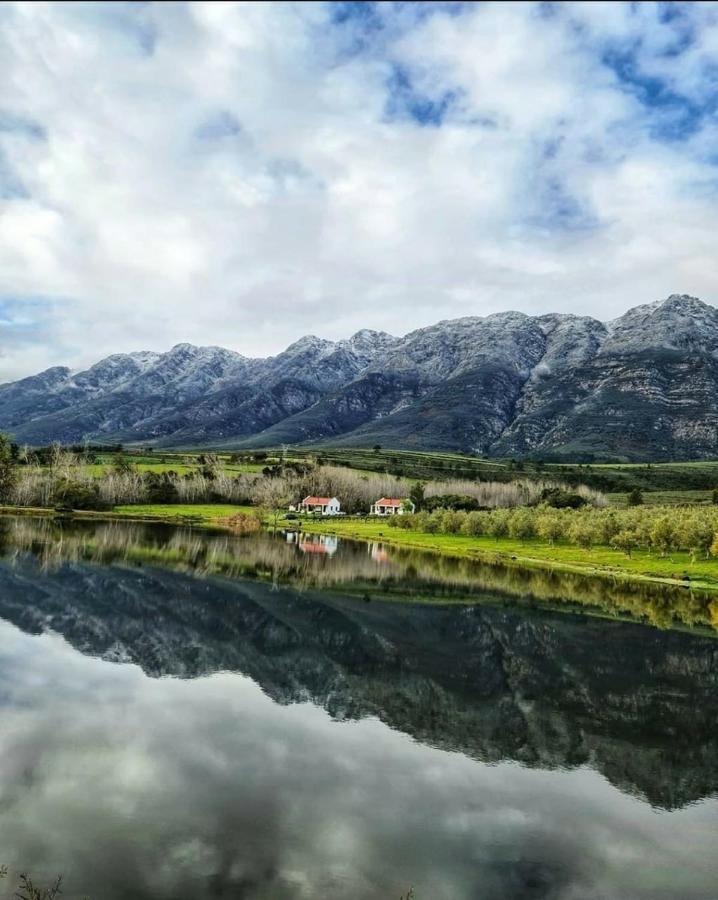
x=242, y=175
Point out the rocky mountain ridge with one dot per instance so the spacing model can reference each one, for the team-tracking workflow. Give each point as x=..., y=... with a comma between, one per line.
x=642, y=387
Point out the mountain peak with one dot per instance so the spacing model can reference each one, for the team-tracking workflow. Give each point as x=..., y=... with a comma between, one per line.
x=504, y=384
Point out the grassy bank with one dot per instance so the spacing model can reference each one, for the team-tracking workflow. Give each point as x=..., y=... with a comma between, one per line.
x=676, y=568
x=202, y=515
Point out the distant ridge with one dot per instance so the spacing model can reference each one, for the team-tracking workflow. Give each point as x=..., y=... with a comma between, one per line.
x=642, y=387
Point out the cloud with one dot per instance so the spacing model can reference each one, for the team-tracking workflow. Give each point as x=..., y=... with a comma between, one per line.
x=242, y=174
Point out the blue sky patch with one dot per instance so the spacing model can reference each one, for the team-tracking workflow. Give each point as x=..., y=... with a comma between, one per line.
x=223, y=124
x=12, y=123
x=406, y=101
x=11, y=185
x=674, y=116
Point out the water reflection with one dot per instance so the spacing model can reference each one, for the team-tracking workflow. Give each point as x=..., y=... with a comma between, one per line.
x=371, y=569
x=165, y=735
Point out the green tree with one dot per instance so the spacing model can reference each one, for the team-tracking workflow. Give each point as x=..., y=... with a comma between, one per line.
x=549, y=527
x=498, y=524
x=121, y=465
x=626, y=541
x=8, y=470
x=70, y=494
x=474, y=524
x=635, y=498
x=582, y=534
x=521, y=524
x=161, y=487
x=696, y=534
x=663, y=535
x=416, y=494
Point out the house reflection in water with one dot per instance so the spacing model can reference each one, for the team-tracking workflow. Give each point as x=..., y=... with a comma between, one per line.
x=378, y=552
x=319, y=544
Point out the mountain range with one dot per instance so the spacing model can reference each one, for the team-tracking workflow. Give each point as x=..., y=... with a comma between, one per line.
x=641, y=387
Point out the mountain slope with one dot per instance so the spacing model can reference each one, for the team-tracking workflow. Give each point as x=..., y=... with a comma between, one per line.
x=644, y=386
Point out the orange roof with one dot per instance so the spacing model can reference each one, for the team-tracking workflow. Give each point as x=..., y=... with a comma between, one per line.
x=317, y=500
x=389, y=501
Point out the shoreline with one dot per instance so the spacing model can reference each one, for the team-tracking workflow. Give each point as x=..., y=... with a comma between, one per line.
x=505, y=552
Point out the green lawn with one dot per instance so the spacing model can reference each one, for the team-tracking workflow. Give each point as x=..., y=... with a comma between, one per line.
x=199, y=513
x=666, y=498
x=99, y=469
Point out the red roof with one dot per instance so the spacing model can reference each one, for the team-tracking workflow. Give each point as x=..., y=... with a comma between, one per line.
x=315, y=501
x=389, y=501
x=313, y=547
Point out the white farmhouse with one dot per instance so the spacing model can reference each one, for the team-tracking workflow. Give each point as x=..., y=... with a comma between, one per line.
x=325, y=506
x=391, y=506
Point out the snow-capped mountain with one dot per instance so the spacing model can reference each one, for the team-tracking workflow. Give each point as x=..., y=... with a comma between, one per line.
x=644, y=386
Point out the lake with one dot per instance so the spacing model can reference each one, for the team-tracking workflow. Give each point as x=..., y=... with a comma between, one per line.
x=189, y=715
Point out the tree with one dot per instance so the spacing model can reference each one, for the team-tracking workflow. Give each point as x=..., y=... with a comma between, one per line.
x=663, y=535
x=520, y=524
x=582, y=534
x=274, y=495
x=122, y=466
x=70, y=494
x=635, y=498
x=417, y=494
x=161, y=487
x=8, y=470
x=377, y=448
x=550, y=528
x=27, y=890
x=210, y=466
x=697, y=536
x=625, y=540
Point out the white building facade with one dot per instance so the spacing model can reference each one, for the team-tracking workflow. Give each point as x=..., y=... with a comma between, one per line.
x=392, y=506
x=324, y=506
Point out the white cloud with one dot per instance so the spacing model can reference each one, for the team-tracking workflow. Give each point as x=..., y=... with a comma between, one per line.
x=242, y=174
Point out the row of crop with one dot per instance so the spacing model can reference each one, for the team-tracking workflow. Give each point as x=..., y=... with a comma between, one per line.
x=655, y=529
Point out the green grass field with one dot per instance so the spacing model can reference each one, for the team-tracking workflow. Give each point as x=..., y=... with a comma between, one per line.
x=180, y=465
x=666, y=498
x=619, y=477
x=668, y=483
x=196, y=513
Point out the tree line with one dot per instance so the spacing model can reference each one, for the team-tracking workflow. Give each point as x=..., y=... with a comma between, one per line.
x=649, y=528
x=64, y=480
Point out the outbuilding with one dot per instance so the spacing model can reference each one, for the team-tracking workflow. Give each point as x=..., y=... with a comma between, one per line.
x=392, y=506
x=324, y=506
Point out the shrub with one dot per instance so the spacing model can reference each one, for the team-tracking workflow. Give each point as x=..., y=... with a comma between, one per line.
x=474, y=525
x=70, y=494
x=451, y=501
x=161, y=487
x=243, y=524
x=627, y=541
x=561, y=499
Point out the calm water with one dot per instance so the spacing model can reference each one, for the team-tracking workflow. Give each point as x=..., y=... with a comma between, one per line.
x=188, y=716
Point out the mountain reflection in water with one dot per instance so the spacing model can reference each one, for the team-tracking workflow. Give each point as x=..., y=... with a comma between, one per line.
x=299, y=747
